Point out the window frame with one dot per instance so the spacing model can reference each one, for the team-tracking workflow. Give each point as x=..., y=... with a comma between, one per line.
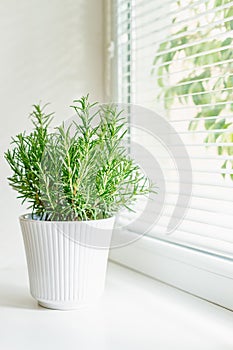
x=203, y=274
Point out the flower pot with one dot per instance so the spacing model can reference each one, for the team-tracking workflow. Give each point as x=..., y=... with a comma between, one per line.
x=66, y=260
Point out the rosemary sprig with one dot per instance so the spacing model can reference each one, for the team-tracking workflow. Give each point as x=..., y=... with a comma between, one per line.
x=83, y=175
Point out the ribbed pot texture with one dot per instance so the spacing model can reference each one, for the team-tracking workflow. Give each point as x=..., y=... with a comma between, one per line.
x=66, y=261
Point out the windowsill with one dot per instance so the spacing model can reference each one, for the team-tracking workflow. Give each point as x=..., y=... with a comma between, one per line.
x=136, y=312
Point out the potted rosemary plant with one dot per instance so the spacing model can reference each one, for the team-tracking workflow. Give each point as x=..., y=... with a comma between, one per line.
x=75, y=178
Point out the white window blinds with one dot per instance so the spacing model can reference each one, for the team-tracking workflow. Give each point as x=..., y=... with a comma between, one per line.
x=176, y=57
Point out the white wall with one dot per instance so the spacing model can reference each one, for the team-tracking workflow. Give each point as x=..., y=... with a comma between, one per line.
x=50, y=51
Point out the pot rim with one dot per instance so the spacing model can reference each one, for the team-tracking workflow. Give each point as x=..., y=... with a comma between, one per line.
x=27, y=217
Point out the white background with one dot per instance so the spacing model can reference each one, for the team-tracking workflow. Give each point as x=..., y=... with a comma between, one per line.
x=50, y=51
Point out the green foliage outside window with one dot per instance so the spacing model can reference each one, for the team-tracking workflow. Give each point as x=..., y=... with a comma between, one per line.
x=205, y=45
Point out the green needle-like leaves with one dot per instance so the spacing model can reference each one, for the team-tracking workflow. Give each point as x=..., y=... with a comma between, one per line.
x=79, y=172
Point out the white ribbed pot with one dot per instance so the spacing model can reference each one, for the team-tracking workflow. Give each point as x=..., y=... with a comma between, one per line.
x=66, y=260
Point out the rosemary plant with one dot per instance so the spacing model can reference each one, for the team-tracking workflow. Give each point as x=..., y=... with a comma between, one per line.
x=79, y=172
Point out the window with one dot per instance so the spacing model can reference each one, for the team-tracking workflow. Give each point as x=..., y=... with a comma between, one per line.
x=176, y=57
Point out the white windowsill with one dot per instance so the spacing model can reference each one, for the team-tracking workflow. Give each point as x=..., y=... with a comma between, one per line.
x=136, y=312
